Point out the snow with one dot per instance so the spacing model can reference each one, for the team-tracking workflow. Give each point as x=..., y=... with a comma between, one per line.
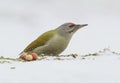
x=22, y=21
x=103, y=68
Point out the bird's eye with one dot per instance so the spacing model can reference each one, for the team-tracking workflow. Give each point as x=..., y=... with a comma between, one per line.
x=72, y=25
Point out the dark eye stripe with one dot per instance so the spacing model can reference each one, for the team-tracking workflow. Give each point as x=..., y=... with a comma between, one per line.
x=72, y=25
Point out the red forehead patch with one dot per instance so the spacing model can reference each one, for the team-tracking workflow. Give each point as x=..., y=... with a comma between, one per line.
x=71, y=23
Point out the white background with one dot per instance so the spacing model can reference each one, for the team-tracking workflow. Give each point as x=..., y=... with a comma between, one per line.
x=22, y=21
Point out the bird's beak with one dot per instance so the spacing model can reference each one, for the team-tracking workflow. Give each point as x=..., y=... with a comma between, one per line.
x=81, y=25
x=78, y=26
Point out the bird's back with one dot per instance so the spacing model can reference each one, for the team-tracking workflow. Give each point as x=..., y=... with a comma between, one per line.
x=40, y=41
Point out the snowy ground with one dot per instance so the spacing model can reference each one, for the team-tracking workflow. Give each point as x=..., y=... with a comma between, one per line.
x=101, y=68
x=22, y=21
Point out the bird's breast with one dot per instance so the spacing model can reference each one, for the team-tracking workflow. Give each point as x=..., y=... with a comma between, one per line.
x=54, y=46
x=58, y=43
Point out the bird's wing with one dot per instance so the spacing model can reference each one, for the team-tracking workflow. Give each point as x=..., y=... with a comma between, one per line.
x=40, y=41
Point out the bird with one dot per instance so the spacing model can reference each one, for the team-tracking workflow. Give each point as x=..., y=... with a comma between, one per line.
x=55, y=41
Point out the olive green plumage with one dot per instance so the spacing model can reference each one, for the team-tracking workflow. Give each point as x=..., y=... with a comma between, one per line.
x=54, y=41
x=41, y=40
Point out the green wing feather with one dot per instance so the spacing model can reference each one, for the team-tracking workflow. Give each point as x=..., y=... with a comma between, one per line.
x=40, y=41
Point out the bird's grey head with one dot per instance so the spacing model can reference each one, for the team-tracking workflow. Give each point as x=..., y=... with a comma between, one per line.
x=68, y=29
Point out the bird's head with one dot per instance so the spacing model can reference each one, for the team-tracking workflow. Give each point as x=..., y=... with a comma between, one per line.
x=68, y=29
